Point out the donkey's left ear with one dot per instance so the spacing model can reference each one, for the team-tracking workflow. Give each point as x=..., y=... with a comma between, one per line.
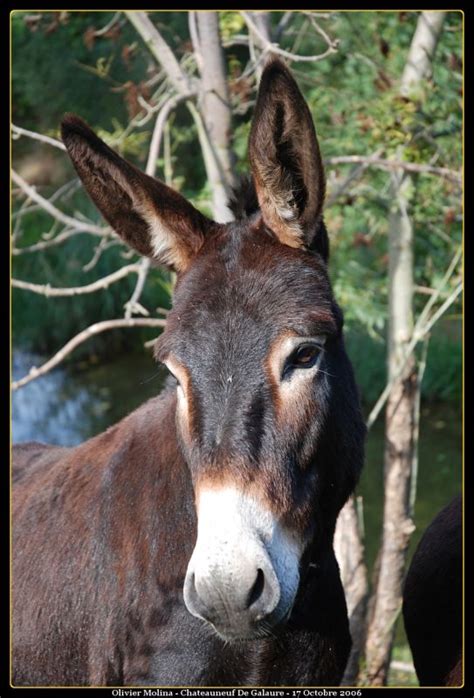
x=285, y=159
x=152, y=218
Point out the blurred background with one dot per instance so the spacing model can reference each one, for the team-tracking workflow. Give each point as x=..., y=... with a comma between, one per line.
x=97, y=65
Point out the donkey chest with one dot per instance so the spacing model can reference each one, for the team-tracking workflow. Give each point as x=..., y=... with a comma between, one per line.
x=171, y=647
x=185, y=653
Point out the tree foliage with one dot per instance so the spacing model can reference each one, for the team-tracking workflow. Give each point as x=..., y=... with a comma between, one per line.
x=95, y=64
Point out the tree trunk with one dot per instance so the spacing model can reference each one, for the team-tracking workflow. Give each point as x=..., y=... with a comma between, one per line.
x=184, y=87
x=400, y=430
x=399, y=444
x=350, y=555
x=422, y=49
x=216, y=109
x=260, y=41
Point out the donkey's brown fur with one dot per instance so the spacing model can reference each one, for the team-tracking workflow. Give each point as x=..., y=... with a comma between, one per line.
x=229, y=484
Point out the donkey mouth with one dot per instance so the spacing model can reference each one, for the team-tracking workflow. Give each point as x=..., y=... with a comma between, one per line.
x=245, y=632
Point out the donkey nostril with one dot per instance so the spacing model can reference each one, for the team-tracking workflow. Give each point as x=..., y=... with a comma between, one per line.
x=257, y=588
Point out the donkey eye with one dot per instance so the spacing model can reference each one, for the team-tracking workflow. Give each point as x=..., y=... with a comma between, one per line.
x=304, y=356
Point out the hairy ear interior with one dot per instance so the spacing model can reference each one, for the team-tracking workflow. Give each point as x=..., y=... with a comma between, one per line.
x=151, y=217
x=285, y=159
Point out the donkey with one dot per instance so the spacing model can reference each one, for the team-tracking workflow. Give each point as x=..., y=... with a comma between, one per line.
x=191, y=543
x=432, y=600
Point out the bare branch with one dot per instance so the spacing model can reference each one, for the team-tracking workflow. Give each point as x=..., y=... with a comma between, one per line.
x=441, y=310
x=443, y=283
x=386, y=391
x=353, y=175
x=162, y=311
x=161, y=51
x=320, y=31
x=158, y=131
x=212, y=163
x=53, y=211
x=86, y=334
x=300, y=35
x=103, y=245
x=140, y=120
x=108, y=26
x=421, y=329
x=274, y=48
x=132, y=305
x=66, y=191
x=193, y=33
x=282, y=24
x=237, y=40
x=44, y=244
x=16, y=233
x=427, y=291
x=104, y=282
x=261, y=20
x=167, y=160
x=18, y=132
x=371, y=160
x=150, y=343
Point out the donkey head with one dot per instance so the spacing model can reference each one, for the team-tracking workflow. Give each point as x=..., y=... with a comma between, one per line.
x=267, y=411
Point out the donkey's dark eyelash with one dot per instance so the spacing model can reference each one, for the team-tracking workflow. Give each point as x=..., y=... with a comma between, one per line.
x=170, y=373
x=152, y=377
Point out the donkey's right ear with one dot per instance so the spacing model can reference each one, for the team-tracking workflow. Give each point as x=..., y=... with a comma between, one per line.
x=152, y=218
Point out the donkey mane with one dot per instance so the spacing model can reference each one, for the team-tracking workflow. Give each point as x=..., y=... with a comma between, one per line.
x=243, y=201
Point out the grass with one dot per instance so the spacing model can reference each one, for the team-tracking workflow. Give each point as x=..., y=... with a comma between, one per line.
x=402, y=671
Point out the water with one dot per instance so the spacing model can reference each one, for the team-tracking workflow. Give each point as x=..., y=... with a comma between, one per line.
x=68, y=406
x=439, y=471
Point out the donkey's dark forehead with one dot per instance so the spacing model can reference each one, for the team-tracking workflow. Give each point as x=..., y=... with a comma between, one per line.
x=245, y=276
x=246, y=262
